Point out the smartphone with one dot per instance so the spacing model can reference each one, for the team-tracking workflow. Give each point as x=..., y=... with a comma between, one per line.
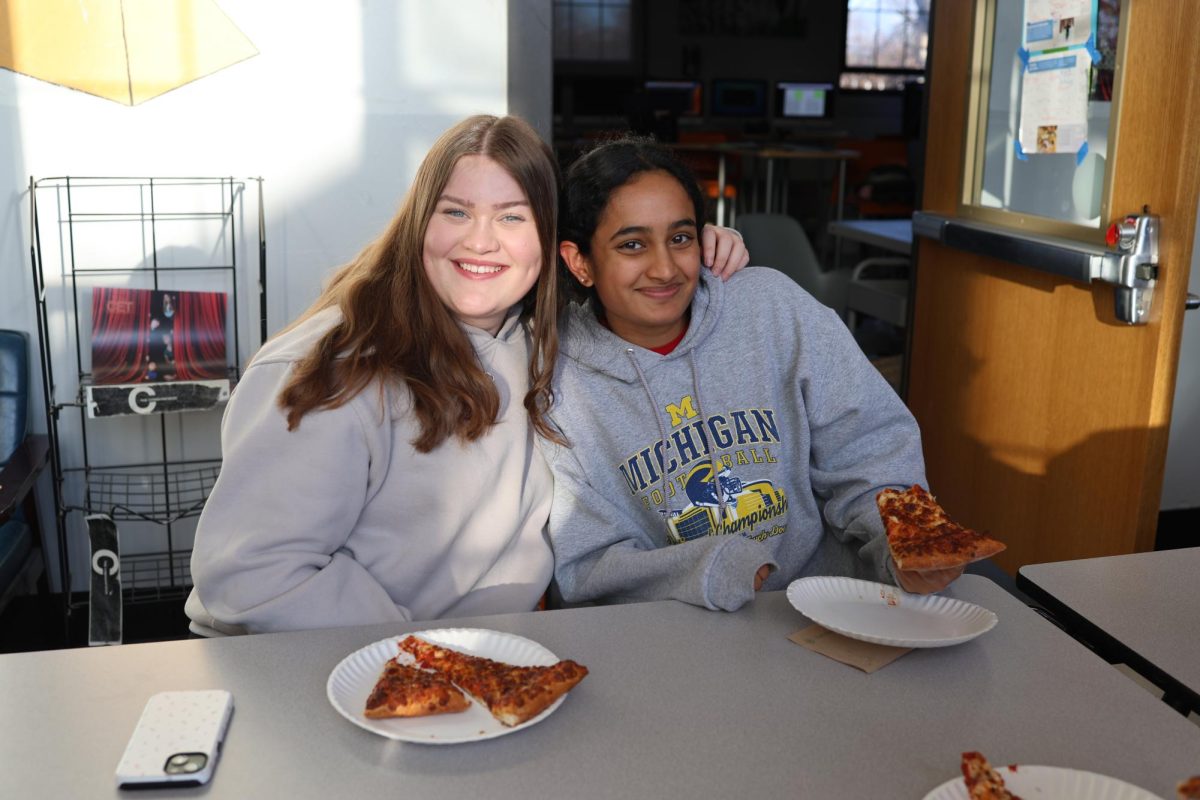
x=177, y=740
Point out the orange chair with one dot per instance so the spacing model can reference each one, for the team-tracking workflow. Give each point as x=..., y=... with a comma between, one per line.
x=705, y=164
x=711, y=189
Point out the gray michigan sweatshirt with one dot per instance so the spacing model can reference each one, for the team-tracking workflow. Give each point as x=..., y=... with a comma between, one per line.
x=769, y=393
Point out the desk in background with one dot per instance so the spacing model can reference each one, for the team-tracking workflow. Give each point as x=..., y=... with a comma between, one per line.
x=769, y=153
x=681, y=702
x=773, y=153
x=1142, y=610
x=883, y=298
x=887, y=234
x=722, y=151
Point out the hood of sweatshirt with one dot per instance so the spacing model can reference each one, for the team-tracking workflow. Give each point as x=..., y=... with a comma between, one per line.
x=593, y=345
x=505, y=354
x=583, y=339
x=511, y=331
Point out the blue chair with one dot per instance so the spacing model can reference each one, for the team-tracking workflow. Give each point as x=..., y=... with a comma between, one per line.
x=22, y=458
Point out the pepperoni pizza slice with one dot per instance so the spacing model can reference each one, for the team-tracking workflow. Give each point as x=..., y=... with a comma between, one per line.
x=513, y=694
x=922, y=537
x=983, y=782
x=405, y=691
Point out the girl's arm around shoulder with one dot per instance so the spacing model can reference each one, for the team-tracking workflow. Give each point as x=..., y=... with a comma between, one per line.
x=270, y=551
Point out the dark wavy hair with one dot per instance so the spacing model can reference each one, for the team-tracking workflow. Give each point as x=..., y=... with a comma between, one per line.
x=394, y=326
x=608, y=166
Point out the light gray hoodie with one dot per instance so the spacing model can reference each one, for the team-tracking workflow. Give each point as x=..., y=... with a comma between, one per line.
x=343, y=522
x=768, y=390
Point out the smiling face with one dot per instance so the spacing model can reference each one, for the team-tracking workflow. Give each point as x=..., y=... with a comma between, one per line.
x=482, y=253
x=645, y=259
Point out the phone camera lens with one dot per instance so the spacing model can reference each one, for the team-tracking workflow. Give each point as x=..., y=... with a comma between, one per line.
x=186, y=763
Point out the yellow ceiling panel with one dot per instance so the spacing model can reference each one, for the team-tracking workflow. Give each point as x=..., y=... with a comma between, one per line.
x=123, y=50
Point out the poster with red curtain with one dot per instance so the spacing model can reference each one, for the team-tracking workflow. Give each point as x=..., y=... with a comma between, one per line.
x=199, y=334
x=150, y=336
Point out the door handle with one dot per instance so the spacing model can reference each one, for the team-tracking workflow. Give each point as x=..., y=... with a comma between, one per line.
x=1131, y=264
x=1192, y=302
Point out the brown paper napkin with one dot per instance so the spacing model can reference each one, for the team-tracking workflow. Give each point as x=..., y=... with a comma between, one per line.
x=866, y=656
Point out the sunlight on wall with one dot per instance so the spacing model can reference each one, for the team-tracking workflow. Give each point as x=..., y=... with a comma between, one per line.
x=458, y=72
x=1022, y=450
x=335, y=113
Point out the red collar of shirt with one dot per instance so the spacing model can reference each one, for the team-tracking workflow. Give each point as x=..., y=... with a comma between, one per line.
x=665, y=349
x=662, y=349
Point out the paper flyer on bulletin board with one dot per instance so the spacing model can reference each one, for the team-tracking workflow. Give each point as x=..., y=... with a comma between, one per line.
x=1050, y=24
x=1054, y=93
x=1058, y=48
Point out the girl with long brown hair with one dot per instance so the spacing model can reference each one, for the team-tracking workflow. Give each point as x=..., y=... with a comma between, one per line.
x=380, y=461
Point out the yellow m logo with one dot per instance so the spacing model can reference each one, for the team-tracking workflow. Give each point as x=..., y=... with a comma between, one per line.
x=685, y=410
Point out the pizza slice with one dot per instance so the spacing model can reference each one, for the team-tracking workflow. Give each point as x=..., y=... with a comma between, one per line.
x=404, y=691
x=983, y=782
x=513, y=694
x=1189, y=789
x=922, y=536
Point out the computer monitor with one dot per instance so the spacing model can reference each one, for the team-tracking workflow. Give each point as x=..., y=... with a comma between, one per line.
x=795, y=100
x=738, y=98
x=685, y=98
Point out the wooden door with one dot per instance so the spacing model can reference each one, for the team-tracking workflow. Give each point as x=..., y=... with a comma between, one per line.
x=1044, y=418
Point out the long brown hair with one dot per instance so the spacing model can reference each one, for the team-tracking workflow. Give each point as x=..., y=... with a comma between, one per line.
x=394, y=326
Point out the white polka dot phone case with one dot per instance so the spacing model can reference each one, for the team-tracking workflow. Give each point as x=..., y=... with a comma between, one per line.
x=177, y=740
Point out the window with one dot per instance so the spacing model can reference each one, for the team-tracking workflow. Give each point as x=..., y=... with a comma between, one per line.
x=886, y=43
x=593, y=30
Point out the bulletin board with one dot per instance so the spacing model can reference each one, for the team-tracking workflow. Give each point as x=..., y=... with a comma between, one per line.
x=1043, y=97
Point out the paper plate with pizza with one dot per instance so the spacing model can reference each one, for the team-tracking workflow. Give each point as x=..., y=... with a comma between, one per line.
x=921, y=535
x=451, y=685
x=980, y=781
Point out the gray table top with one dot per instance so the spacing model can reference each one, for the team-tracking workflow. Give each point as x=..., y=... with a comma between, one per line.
x=1146, y=601
x=680, y=702
x=889, y=234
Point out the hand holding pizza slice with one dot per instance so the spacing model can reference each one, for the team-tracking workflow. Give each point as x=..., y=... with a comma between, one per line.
x=930, y=549
x=927, y=581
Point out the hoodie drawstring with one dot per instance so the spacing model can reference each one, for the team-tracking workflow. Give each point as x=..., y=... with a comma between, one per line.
x=662, y=431
x=712, y=453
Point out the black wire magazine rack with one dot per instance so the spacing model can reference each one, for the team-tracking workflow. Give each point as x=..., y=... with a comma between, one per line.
x=138, y=237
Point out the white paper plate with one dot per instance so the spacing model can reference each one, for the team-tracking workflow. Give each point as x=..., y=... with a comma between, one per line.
x=353, y=679
x=1050, y=783
x=876, y=612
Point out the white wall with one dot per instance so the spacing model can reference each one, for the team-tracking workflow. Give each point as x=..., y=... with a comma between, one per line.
x=334, y=113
